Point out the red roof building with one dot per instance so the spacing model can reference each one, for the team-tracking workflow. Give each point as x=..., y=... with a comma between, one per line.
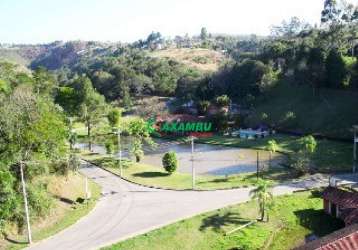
x=341, y=204
x=344, y=239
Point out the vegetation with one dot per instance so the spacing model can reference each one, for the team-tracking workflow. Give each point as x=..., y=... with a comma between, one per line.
x=170, y=162
x=157, y=177
x=329, y=156
x=264, y=197
x=67, y=208
x=292, y=218
x=34, y=138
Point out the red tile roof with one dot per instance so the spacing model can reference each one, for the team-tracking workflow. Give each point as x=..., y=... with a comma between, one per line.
x=344, y=239
x=340, y=197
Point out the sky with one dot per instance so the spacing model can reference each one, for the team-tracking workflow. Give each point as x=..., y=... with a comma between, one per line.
x=42, y=21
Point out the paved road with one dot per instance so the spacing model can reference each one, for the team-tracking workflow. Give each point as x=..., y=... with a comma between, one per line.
x=126, y=210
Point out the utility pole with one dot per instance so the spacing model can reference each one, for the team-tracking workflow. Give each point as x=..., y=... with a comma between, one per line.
x=26, y=204
x=86, y=187
x=120, y=152
x=258, y=165
x=192, y=163
x=355, y=129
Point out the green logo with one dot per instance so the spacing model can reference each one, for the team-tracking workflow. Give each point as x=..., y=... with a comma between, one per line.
x=176, y=127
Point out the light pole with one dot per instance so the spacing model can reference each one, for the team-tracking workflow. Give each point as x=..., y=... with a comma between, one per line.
x=192, y=163
x=120, y=151
x=27, y=213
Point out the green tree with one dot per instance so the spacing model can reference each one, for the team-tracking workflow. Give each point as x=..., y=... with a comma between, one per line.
x=223, y=100
x=331, y=13
x=272, y=147
x=114, y=116
x=44, y=81
x=109, y=147
x=91, y=105
x=264, y=196
x=336, y=71
x=203, y=34
x=138, y=129
x=170, y=162
x=7, y=196
x=309, y=144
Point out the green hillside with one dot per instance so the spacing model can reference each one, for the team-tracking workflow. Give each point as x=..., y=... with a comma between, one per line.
x=331, y=112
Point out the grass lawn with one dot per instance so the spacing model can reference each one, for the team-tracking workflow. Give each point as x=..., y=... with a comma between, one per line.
x=330, y=156
x=64, y=213
x=291, y=219
x=156, y=177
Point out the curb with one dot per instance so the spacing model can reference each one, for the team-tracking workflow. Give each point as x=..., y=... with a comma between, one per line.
x=162, y=188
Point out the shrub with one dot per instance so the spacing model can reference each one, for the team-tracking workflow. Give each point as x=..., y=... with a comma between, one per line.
x=109, y=147
x=170, y=162
x=114, y=116
x=223, y=100
x=300, y=162
x=203, y=107
x=309, y=144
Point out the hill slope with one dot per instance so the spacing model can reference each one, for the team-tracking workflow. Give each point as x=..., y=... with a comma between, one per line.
x=201, y=59
x=332, y=113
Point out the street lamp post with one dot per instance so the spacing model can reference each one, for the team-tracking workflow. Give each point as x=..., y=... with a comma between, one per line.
x=120, y=152
x=192, y=163
x=27, y=213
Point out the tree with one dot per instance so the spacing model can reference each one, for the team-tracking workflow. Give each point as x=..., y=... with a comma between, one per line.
x=223, y=101
x=113, y=117
x=309, y=144
x=264, y=196
x=45, y=82
x=316, y=68
x=290, y=28
x=139, y=131
x=203, y=34
x=336, y=71
x=91, y=105
x=30, y=125
x=109, y=147
x=170, y=162
x=272, y=147
x=331, y=14
x=7, y=196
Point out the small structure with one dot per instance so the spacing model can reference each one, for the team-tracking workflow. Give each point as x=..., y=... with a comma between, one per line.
x=343, y=239
x=341, y=204
x=250, y=133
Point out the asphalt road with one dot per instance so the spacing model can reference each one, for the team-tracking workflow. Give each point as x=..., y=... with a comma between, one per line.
x=126, y=210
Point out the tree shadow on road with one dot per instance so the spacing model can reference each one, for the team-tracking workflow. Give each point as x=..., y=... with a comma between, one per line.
x=217, y=222
x=151, y=174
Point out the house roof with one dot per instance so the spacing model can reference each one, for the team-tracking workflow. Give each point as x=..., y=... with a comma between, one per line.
x=344, y=239
x=344, y=199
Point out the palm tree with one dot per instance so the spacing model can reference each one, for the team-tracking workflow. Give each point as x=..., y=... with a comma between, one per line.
x=264, y=196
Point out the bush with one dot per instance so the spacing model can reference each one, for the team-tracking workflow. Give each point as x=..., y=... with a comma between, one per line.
x=109, y=147
x=170, y=162
x=300, y=162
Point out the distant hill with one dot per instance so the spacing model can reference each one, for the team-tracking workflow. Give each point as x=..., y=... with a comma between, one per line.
x=201, y=59
x=55, y=55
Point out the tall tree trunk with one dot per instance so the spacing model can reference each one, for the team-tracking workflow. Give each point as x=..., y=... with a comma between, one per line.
x=262, y=211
